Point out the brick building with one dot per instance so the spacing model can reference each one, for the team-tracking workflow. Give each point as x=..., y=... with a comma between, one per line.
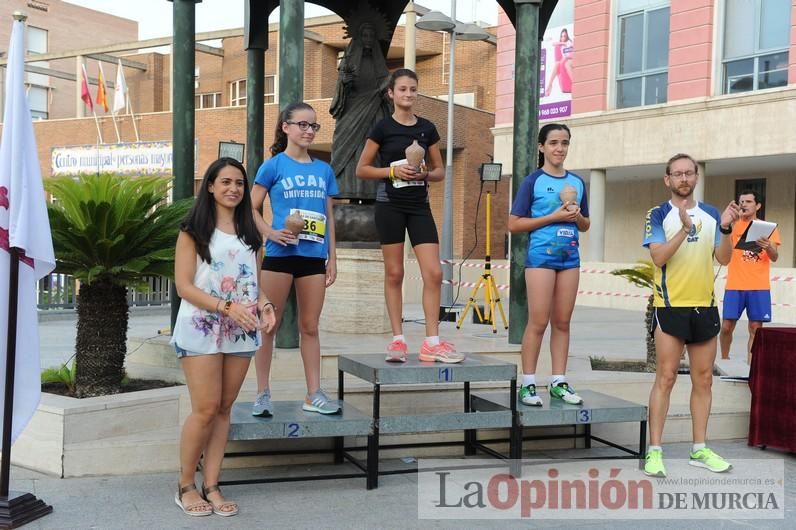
x=220, y=92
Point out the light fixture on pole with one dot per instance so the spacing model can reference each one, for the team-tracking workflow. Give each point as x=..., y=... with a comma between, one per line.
x=436, y=21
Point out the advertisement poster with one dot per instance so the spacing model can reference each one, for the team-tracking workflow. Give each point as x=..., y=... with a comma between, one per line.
x=555, y=75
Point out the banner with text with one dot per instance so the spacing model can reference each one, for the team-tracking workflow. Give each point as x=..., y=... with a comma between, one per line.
x=145, y=158
x=555, y=73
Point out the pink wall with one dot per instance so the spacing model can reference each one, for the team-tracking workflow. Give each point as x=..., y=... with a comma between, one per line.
x=690, y=49
x=590, y=60
x=792, y=53
x=504, y=92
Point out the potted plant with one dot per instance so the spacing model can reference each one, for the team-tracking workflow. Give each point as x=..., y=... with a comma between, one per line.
x=110, y=232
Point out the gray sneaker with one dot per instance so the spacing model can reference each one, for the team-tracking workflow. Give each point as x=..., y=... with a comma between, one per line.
x=319, y=402
x=262, y=405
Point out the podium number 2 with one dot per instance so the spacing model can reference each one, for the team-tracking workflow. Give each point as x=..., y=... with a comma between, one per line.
x=584, y=416
x=293, y=430
x=446, y=374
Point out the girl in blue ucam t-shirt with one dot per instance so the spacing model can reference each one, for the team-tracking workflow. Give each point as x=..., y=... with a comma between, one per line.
x=551, y=206
x=295, y=183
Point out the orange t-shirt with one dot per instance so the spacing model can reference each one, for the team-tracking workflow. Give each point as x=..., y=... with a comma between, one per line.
x=748, y=270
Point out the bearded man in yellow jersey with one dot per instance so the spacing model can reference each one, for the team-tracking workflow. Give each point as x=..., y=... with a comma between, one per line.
x=683, y=235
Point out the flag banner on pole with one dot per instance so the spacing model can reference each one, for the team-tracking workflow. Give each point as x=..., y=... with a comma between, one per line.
x=85, y=95
x=120, y=90
x=23, y=224
x=102, y=93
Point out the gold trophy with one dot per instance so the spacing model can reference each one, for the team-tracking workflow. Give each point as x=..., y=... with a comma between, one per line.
x=569, y=195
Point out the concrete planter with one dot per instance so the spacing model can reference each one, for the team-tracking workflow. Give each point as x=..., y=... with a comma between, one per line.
x=120, y=434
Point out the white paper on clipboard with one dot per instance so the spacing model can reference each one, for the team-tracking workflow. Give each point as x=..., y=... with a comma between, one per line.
x=759, y=229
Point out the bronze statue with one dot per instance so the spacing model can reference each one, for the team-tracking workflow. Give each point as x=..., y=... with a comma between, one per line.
x=360, y=100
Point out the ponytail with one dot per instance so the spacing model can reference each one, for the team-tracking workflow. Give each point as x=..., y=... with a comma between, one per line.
x=280, y=138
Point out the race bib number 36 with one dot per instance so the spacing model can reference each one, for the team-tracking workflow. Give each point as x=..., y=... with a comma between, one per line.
x=314, y=226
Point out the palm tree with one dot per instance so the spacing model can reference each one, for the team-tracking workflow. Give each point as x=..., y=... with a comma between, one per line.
x=642, y=275
x=110, y=232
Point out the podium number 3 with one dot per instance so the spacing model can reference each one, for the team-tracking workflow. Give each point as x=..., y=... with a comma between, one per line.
x=584, y=416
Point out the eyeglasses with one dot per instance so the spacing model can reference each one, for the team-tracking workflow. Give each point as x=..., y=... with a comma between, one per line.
x=680, y=174
x=303, y=125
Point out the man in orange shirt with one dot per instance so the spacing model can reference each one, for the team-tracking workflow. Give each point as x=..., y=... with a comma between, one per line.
x=748, y=285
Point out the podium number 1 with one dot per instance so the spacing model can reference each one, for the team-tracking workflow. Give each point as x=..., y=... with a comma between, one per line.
x=446, y=374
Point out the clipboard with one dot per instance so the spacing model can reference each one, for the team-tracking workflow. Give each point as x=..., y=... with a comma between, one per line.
x=760, y=228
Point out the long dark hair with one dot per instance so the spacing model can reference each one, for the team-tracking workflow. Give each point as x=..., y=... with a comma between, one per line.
x=280, y=138
x=544, y=131
x=200, y=223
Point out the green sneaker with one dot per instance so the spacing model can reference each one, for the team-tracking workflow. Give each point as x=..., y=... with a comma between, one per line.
x=653, y=467
x=565, y=393
x=528, y=396
x=709, y=460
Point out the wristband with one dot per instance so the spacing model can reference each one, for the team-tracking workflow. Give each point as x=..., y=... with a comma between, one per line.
x=273, y=306
x=218, y=303
x=726, y=231
x=392, y=172
x=227, y=305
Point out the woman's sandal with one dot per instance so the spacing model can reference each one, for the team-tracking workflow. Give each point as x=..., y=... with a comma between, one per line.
x=219, y=509
x=192, y=509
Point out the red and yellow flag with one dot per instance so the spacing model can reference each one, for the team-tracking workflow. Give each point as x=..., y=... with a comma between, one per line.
x=102, y=95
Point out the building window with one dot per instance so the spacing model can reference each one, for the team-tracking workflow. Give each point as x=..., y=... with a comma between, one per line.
x=270, y=89
x=756, y=185
x=237, y=93
x=756, y=41
x=38, y=100
x=642, y=73
x=207, y=101
x=37, y=40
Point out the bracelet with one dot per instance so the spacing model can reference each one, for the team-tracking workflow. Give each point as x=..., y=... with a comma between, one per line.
x=392, y=172
x=227, y=305
x=726, y=231
x=273, y=306
x=218, y=303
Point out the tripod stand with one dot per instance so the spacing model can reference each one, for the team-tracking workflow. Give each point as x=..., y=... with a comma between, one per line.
x=487, y=282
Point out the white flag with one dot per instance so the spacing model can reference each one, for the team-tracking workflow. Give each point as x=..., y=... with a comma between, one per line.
x=120, y=90
x=23, y=224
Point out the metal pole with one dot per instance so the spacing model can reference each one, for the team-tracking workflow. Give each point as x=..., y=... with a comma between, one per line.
x=182, y=117
x=446, y=298
x=526, y=125
x=11, y=349
x=291, y=88
x=255, y=110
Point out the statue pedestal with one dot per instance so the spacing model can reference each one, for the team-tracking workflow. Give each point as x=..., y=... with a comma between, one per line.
x=355, y=301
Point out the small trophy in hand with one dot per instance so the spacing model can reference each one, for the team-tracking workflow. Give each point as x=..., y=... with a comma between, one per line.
x=569, y=195
x=414, y=155
x=295, y=223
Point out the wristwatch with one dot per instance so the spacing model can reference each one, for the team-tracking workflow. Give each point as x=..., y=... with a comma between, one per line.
x=725, y=231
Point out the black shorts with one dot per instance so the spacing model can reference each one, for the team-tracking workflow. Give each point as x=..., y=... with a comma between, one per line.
x=691, y=324
x=394, y=220
x=298, y=266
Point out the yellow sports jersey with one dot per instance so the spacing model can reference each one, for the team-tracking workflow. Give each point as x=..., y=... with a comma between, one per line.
x=686, y=280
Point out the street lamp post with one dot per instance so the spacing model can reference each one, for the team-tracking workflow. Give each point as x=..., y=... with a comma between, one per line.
x=436, y=21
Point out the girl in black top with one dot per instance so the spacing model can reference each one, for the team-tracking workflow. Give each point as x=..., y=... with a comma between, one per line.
x=401, y=206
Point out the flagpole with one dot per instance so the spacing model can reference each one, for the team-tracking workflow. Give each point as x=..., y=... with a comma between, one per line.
x=105, y=105
x=11, y=357
x=96, y=121
x=132, y=114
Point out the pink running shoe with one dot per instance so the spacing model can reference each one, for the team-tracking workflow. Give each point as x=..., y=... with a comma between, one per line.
x=444, y=352
x=396, y=352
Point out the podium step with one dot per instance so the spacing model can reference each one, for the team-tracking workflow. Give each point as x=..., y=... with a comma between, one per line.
x=596, y=408
x=290, y=421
